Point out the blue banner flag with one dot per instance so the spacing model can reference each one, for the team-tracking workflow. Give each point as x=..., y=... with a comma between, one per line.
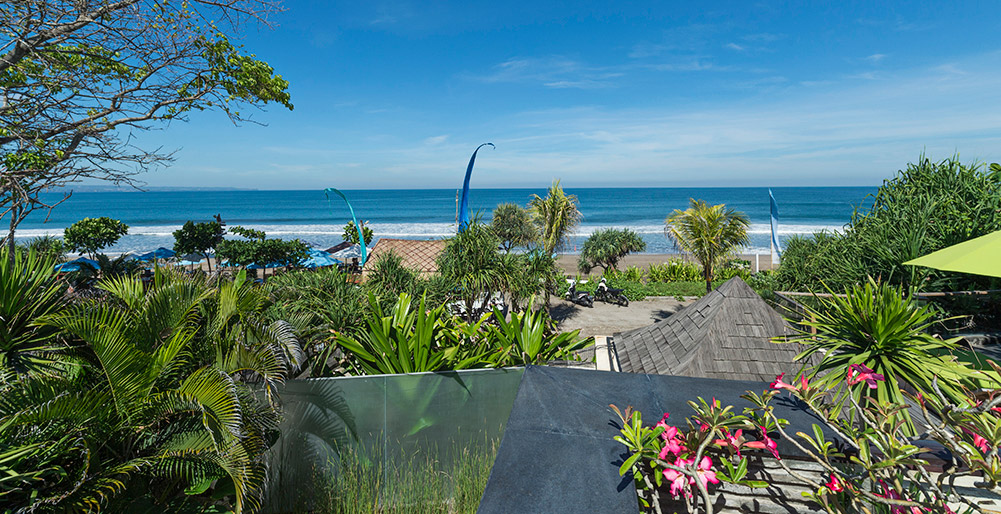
x=464, y=216
x=776, y=250
x=361, y=234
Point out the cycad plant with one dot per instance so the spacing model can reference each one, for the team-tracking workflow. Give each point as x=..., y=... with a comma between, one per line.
x=152, y=410
x=710, y=233
x=876, y=326
x=28, y=291
x=556, y=215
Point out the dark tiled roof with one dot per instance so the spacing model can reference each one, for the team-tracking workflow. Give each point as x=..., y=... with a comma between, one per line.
x=338, y=247
x=416, y=254
x=725, y=334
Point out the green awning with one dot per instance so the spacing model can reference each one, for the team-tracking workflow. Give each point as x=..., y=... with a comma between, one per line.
x=980, y=256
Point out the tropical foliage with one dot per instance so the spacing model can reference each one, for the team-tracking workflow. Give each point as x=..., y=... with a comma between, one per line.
x=414, y=338
x=258, y=249
x=92, y=234
x=144, y=399
x=471, y=265
x=926, y=207
x=711, y=234
x=556, y=215
x=198, y=238
x=606, y=246
x=350, y=233
x=876, y=326
x=513, y=226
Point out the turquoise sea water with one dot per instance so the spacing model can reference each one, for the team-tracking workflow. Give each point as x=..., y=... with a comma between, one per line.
x=426, y=214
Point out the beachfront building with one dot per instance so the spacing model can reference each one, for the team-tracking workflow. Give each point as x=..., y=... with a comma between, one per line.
x=416, y=254
x=726, y=334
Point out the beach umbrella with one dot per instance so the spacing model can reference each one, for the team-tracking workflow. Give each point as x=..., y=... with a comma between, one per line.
x=319, y=259
x=980, y=256
x=76, y=264
x=159, y=253
x=351, y=252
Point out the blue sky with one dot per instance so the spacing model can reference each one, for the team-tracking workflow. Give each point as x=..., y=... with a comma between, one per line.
x=396, y=94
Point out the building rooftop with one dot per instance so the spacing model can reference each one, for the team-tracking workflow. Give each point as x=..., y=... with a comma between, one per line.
x=419, y=255
x=726, y=334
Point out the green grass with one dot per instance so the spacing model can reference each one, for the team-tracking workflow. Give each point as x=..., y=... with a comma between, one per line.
x=417, y=483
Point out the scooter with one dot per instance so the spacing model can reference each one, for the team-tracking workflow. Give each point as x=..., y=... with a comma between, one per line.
x=609, y=295
x=582, y=298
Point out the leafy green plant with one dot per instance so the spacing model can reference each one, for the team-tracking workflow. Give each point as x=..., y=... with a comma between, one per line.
x=151, y=409
x=389, y=278
x=529, y=338
x=47, y=246
x=258, y=249
x=317, y=302
x=711, y=234
x=606, y=246
x=875, y=325
x=28, y=292
x=925, y=207
x=674, y=270
x=198, y=238
x=471, y=263
x=513, y=226
x=92, y=234
x=350, y=234
x=406, y=340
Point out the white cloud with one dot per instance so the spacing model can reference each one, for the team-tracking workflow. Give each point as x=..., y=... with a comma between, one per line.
x=876, y=58
x=735, y=46
x=436, y=140
x=552, y=71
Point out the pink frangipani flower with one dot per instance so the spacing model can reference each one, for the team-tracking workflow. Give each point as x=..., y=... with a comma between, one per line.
x=858, y=373
x=779, y=384
x=766, y=443
x=705, y=473
x=733, y=440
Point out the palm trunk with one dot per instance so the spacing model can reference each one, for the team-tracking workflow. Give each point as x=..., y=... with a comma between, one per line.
x=708, y=273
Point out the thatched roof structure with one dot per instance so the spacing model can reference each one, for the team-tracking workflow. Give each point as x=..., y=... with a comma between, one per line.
x=726, y=334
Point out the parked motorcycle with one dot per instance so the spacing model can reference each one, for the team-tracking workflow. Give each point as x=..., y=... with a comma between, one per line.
x=610, y=295
x=582, y=298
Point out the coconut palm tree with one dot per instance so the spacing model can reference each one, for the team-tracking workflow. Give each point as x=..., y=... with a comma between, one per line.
x=556, y=215
x=710, y=233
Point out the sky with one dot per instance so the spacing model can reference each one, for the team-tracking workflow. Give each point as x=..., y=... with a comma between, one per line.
x=397, y=94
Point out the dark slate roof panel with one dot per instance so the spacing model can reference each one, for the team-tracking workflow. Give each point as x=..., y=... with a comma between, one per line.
x=558, y=455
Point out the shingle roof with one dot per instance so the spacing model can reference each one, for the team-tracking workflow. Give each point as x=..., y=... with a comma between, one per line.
x=726, y=334
x=416, y=254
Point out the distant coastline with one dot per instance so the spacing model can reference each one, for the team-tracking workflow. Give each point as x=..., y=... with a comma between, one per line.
x=149, y=189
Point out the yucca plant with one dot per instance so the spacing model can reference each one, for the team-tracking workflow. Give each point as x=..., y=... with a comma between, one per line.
x=875, y=325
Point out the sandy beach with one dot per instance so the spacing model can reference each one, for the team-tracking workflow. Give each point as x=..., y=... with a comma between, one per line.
x=568, y=262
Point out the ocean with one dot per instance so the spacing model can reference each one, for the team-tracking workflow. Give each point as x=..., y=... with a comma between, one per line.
x=428, y=214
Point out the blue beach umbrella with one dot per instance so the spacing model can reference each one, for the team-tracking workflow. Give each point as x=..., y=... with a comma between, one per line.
x=76, y=264
x=159, y=253
x=319, y=259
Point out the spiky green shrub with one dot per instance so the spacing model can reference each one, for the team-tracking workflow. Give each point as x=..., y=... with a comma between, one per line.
x=875, y=325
